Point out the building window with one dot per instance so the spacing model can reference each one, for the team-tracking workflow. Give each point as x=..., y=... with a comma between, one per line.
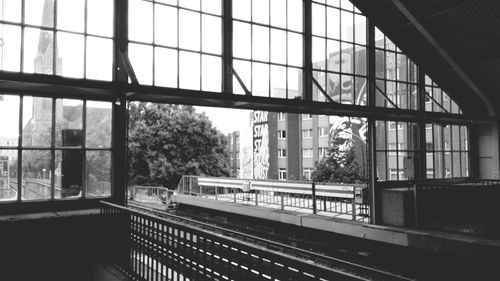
x=393, y=126
x=323, y=131
x=307, y=133
x=237, y=139
x=281, y=116
x=307, y=173
x=282, y=174
x=237, y=155
x=306, y=116
x=322, y=152
x=281, y=153
x=281, y=134
x=307, y=152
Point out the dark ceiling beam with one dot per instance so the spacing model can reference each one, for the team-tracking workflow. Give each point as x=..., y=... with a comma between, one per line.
x=444, y=54
x=447, y=7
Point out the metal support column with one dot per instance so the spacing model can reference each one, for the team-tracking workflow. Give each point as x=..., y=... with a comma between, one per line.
x=227, y=43
x=119, y=131
x=372, y=169
x=307, y=55
x=421, y=166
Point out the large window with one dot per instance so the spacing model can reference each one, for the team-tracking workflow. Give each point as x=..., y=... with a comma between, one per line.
x=267, y=47
x=65, y=148
x=80, y=30
x=177, y=43
x=339, y=53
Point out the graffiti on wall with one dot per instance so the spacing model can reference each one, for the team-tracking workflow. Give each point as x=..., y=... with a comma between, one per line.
x=260, y=144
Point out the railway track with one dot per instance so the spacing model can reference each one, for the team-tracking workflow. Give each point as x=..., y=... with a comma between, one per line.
x=364, y=272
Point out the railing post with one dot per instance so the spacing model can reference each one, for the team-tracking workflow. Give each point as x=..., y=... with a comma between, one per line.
x=256, y=197
x=234, y=192
x=216, y=192
x=353, y=203
x=314, y=197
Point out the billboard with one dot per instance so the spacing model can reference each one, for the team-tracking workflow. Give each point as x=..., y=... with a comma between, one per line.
x=260, y=129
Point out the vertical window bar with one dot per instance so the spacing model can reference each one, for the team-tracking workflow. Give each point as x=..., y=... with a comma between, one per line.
x=52, y=149
x=227, y=41
x=85, y=35
x=20, y=150
x=307, y=51
x=84, y=151
x=54, y=41
x=154, y=44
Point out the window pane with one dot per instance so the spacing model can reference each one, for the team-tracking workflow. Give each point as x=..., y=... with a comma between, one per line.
x=8, y=175
x=347, y=28
x=37, y=121
x=68, y=174
x=189, y=70
x=318, y=20
x=141, y=58
x=36, y=174
x=243, y=69
x=34, y=10
x=278, y=81
x=211, y=73
x=278, y=13
x=211, y=34
x=70, y=15
x=38, y=51
x=98, y=177
x=99, y=64
x=166, y=25
x=190, y=4
x=260, y=11
x=333, y=21
x=189, y=30
x=140, y=27
x=278, y=46
x=260, y=43
x=260, y=79
x=9, y=120
x=70, y=49
x=295, y=15
x=295, y=49
x=360, y=29
x=212, y=6
x=69, y=122
x=165, y=67
x=98, y=124
x=100, y=17
x=242, y=9
x=10, y=10
x=10, y=40
x=294, y=82
x=241, y=40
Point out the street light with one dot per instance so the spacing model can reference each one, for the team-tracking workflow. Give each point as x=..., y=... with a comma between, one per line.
x=43, y=170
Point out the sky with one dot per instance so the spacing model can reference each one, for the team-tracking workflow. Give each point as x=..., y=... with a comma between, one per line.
x=226, y=120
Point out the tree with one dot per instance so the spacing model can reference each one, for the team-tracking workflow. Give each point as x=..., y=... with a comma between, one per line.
x=169, y=141
x=343, y=163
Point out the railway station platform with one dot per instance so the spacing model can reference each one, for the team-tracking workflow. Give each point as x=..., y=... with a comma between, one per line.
x=429, y=240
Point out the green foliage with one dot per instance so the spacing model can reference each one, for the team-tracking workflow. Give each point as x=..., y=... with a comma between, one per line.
x=169, y=141
x=341, y=166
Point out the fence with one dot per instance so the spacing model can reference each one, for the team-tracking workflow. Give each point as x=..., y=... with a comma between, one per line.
x=159, y=249
x=348, y=201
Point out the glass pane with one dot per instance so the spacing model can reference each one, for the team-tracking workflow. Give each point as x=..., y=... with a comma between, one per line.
x=260, y=43
x=347, y=61
x=211, y=34
x=333, y=88
x=244, y=71
x=260, y=79
x=359, y=29
x=70, y=50
x=70, y=15
x=333, y=51
x=381, y=135
x=189, y=30
x=360, y=60
x=242, y=9
x=37, y=121
x=211, y=73
x=99, y=62
x=294, y=83
x=98, y=173
x=295, y=15
x=347, y=86
x=69, y=123
x=295, y=49
x=260, y=11
x=98, y=131
x=318, y=53
x=8, y=175
x=381, y=171
x=166, y=25
x=347, y=26
x=190, y=4
x=68, y=174
x=333, y=23
x=212, y=6
x=140, y=27
x=9, y=120
x=38, y=51
x=278, y=13
x=141, y=58
x=36, y=174
x=10, y=10
x=278, y=46
x=189, y=70
x=318, y=20
x=278, y=81
x=241, y=40
x=100, y=17
x=360, y=91
x=10, y=47
x=165, y=67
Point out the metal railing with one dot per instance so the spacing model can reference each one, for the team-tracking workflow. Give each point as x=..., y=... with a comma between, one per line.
x=159, y=249
x=347, y=201
x=150, y=194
